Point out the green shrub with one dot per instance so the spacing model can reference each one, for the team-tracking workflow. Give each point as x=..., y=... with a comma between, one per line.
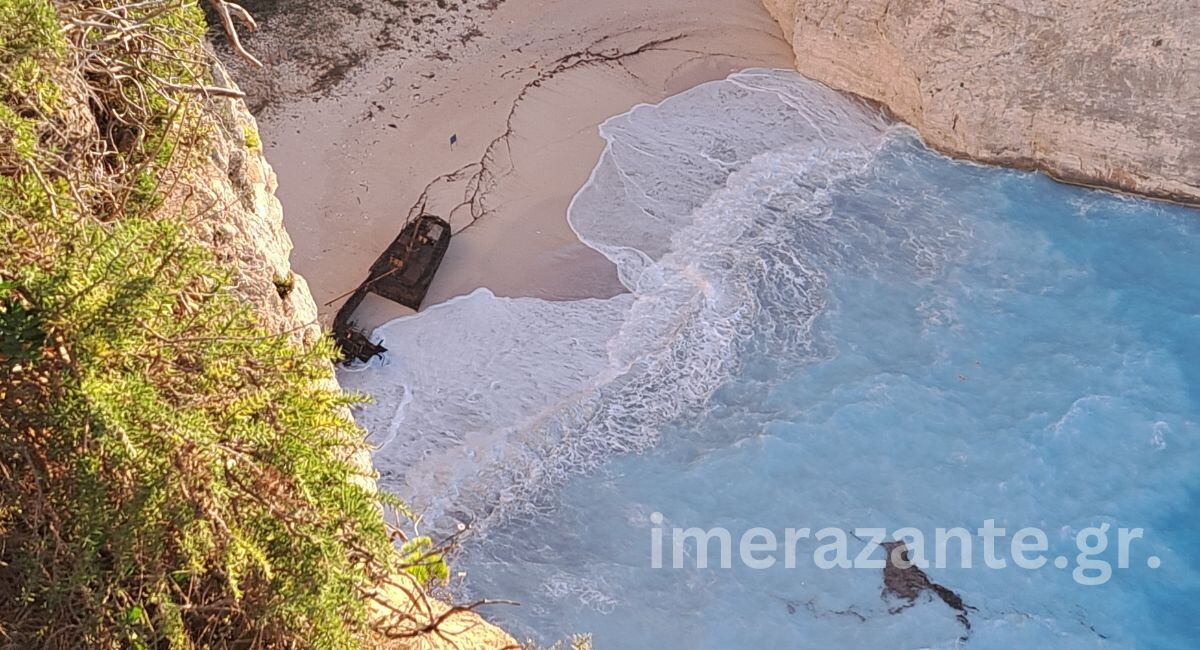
x=171, y=475
x=250, y=136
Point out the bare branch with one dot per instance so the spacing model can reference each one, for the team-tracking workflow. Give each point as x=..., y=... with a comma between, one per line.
x=227, y=10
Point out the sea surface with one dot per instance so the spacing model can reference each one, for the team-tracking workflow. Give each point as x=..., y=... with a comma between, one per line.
x=827, y=325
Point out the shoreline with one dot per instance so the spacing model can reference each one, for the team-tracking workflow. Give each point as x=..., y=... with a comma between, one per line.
x=526, y=121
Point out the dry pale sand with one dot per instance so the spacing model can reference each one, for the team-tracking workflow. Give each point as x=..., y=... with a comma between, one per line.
x=524, y=92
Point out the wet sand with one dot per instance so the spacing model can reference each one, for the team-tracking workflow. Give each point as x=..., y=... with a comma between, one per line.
x=523, y=86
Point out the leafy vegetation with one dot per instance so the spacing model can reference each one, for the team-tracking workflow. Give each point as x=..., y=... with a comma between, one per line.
x=252, y=140
x=171, y=475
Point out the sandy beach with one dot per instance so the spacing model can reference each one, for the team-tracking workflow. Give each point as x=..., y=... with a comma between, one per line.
x=522, y=85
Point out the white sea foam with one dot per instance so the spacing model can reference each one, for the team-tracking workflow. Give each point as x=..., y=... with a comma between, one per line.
x=483, y=402
x=827, y=324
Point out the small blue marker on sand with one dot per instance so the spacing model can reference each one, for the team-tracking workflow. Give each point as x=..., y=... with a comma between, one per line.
x=453, y=139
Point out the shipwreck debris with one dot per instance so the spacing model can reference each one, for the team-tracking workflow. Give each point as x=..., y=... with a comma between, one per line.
x=401, y=274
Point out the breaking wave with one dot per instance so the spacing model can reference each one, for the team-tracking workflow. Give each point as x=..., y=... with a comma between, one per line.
x=716, y=207
x=827, y=324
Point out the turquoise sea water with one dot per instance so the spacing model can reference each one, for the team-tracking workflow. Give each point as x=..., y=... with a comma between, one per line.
x=828, y=326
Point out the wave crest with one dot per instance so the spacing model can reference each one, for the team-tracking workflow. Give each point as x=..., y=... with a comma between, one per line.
x=717, y=206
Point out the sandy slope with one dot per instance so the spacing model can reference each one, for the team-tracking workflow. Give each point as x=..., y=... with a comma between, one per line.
x=523, y=84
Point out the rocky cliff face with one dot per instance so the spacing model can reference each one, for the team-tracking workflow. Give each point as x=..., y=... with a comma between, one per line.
x=241, y=219
x=1093, y=92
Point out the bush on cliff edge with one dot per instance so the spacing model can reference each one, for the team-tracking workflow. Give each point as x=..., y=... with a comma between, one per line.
x=170, y=474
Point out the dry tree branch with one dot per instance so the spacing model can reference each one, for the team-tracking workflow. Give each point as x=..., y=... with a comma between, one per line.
x=435, y=626
x=227, y=10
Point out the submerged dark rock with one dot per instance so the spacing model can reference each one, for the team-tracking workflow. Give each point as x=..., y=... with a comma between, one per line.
x=906, y=581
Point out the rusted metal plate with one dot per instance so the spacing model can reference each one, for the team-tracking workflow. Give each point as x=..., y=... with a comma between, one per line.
x=402, y=274
x=405, y=270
